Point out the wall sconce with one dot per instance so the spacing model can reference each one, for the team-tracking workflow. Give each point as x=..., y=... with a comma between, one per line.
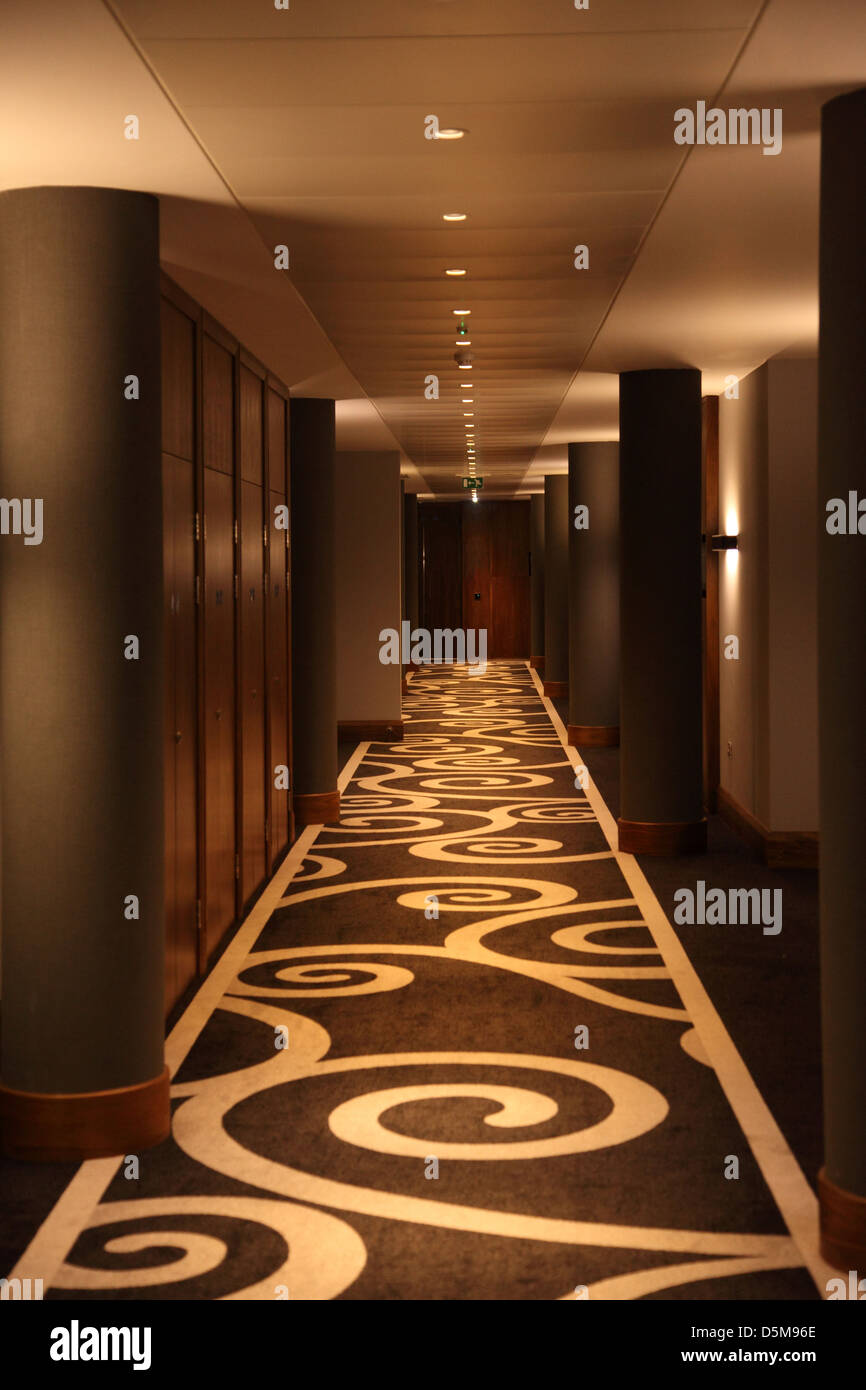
x=724, y=542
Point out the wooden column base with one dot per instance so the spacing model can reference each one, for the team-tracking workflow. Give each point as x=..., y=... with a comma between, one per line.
x=92, y=1124
x=378, y=730
x=593, y=735
x=556, y=690
x=316, y=808
x=537, y=664
x=843, y=1226
x=662, y=837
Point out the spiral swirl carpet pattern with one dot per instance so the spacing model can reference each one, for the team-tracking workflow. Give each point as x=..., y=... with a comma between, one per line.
x=452, y=1063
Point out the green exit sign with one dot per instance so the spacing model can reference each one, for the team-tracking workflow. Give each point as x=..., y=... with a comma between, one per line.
x=473, y=482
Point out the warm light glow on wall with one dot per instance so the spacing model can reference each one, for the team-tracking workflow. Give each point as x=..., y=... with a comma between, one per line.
x=732, y=528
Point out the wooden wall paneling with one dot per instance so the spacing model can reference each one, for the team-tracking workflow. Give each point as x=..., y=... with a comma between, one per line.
x=288, y=484
x=252, y=705
x=218, y=370
x=251, y=426
x=200, y=707
x=171, y=972
x=178, y=382
x=277, y=658
x=251, y=801
x=220, y=772
x=180, y=764
x=219, y=909
x=179, y=599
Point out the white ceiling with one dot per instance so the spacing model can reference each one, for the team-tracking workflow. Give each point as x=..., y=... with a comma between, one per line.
x=306, y=127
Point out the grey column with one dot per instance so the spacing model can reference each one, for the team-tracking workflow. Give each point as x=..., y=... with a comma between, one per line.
x=556, y=584
x=661, y=763
x=593, y=595
x=314, y=641
x=536, y=582
x=842, y=678
x=81, y=675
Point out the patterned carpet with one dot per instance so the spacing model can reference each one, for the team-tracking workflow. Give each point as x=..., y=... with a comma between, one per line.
x=491, y=1087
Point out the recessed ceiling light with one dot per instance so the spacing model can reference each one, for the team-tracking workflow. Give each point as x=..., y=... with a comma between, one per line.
x=451, y=132
x=463, y=342
x=454, y=216
x=467, y=414
x=464, y=366
x=468, y=400
x=461, y=313
x=455, y=272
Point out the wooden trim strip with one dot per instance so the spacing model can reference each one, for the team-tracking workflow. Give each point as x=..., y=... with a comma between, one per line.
x=664, y=838
x=316, y=808
x=255, y=366
x=178, y=297
x=69, y=1128
x=843, y=1226
x=779, y=849
x=214, y=329
x=556, y=690
x=375, y=730
x=593, y=735
x=276, y=385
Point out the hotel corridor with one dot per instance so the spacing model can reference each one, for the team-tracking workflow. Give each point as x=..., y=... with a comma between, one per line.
x=456, y=1051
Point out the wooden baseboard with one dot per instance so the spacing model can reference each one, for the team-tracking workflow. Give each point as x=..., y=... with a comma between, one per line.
x=316, y=808
x=843, y=1226
x=556, y=690
x=537, y=664
x=663, y=838
x=593, y=735
x=92, y=1124
x=779, y=849
x=377, y=730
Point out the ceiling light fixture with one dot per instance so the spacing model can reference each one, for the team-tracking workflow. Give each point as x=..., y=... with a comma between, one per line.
x=463, y=342
x=454, y=216
x=451, y=133
x=461, y=313
x=464, y=366
x=455, y=272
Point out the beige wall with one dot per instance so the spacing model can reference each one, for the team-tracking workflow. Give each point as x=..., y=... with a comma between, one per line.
x=368, y=536
x=767, y=594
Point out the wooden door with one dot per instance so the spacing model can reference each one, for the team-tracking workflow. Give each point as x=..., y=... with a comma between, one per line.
x=441, y=555
x=508, y=633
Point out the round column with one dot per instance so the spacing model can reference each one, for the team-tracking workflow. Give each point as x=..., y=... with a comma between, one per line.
x=593, y=595
x=81, y=675
x=661, y=763
x=314, y=632
x=842, y=678
x=556, y=585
